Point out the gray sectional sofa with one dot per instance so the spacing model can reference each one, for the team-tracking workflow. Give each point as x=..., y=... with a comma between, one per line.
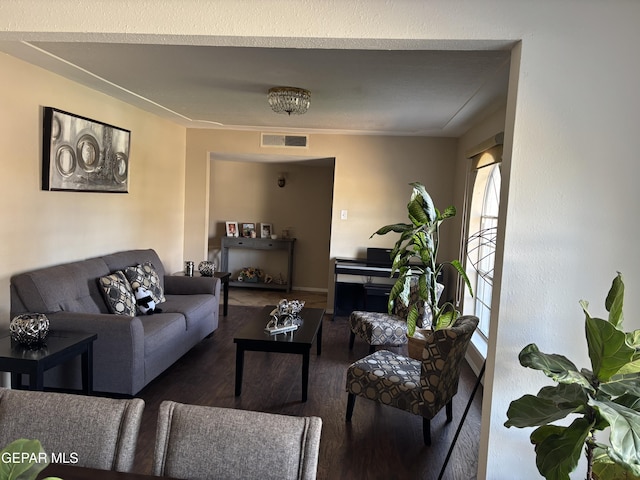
x=130, y=351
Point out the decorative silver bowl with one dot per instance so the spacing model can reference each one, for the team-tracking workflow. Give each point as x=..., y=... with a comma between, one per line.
x=29, y=328
x=206, y=268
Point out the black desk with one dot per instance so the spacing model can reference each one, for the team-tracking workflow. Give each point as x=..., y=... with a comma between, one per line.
x=58, y=348
x=252, y=337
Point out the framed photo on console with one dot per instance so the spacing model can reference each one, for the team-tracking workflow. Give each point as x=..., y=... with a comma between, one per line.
x=248, y=230
x=232, y=229
x=265, y=230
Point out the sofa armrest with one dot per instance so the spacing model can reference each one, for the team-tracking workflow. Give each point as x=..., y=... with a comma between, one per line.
x=179, y=285
x=118, y=352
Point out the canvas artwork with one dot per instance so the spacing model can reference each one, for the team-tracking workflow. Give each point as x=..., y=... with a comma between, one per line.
x=83, y=155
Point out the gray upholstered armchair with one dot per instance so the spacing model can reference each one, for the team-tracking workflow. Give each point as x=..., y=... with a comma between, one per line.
x=377, y=328
x=102, y=432
x=420, y=387
x=198, y=442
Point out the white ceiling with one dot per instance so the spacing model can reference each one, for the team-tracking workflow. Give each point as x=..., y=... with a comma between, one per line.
x=390, y=92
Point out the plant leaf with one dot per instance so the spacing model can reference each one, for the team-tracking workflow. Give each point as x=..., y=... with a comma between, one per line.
x=26, y=469
x=615, y=300
x=551, y=404
x=557, y=367
x=622, y=384
x=608, y=349
x=445, y=319
x=606, y=469
x=396, y=227
x=624, y=436
x=558, y=449
x=461, y=271
x=427, y=202
x=448, y=212
x=416, y=212
x=412, y=318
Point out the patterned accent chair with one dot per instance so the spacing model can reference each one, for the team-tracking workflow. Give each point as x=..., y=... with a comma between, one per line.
x=420, y=387
x=377, y=328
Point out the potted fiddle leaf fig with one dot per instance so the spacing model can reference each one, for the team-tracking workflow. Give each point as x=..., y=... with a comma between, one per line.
x=607, y=396
x=23, y=459
x=415, y=259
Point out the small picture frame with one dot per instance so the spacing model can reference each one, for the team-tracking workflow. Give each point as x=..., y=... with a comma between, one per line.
x=248, y=230
x=232, y=229
x=265, y=230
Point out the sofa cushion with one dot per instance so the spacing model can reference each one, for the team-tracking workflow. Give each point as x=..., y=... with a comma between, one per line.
x=162, y=330
x=145, y=276
x=193, y=307
x=118, y=294
x=69, y=287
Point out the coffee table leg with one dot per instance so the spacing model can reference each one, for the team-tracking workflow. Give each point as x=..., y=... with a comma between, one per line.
x=87, y=369
x=319, y=339
x=239, y=368
x=305, y=374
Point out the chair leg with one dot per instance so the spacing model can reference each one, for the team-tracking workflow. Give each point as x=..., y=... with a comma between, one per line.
x=352, y=337
x=351, y=401
x=426, y=431
x=449, y=411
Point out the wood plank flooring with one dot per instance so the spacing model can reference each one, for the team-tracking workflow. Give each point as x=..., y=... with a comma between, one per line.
x=380, y=442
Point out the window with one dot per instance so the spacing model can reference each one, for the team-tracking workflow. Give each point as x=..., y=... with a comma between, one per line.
x=483, y=205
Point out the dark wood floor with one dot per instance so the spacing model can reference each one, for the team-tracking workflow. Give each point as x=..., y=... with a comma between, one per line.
x=380, y=443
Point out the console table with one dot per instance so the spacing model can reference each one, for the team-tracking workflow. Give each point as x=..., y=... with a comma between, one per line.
x=265, y=244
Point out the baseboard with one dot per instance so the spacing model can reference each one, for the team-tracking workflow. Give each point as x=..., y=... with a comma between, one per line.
x=310, y=289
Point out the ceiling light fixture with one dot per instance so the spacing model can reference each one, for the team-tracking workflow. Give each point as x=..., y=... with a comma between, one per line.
x=289, y=100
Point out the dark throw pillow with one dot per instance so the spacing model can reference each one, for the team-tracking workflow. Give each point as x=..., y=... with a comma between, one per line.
x=118, y=294
x=145, y=276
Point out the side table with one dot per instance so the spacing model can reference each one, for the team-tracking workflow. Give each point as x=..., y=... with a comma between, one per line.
x=224, y=278
x=58, y=348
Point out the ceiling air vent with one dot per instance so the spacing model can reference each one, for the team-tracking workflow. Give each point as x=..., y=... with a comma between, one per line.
x=278, y=140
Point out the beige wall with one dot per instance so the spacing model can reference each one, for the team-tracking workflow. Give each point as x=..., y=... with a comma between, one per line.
x=372, y=176
x=42, y=228
x=248, y=192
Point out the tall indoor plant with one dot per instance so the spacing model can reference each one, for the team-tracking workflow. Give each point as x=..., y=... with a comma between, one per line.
x=414, y=258
x=607, y=396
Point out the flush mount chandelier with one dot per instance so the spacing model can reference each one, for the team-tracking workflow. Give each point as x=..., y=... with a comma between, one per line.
x=289, y=100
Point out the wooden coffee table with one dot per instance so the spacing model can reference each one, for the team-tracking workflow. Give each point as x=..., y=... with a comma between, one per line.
x=252, y=337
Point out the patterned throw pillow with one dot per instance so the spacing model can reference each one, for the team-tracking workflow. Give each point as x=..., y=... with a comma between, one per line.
x=145, y=276
x=118, y=294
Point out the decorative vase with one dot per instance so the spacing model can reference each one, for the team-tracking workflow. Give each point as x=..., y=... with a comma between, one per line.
x=29, y=328
x=206, y=268
x=416, y=344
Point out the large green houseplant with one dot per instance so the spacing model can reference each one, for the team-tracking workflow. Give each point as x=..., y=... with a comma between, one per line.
x=415, y=258
x=606, y=396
